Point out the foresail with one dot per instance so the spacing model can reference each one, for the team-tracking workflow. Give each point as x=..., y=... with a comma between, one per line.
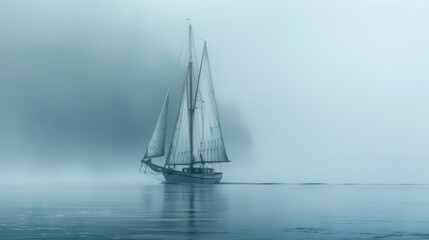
x=208, y=141
x=180, y=153
x=157, y=142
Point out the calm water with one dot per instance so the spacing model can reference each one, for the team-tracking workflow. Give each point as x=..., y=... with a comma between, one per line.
x=224, y=211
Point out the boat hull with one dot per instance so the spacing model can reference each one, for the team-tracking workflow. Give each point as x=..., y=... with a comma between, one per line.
x=182, y=177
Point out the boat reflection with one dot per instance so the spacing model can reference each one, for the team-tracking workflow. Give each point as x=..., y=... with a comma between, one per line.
x=190, y=211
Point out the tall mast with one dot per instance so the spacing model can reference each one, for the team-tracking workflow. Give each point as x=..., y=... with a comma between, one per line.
x=190, y=94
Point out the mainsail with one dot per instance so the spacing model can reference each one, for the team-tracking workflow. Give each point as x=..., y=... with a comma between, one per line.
x=208, y=141
x=157, y=142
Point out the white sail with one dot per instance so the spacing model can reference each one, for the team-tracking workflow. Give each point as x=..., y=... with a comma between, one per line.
x=180, y=151
x=157, y=142
x=207, y=134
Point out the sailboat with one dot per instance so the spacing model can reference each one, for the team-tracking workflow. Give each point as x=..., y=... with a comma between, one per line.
x=197, y=144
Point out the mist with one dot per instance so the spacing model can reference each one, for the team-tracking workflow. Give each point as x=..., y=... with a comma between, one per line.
x=307, y=91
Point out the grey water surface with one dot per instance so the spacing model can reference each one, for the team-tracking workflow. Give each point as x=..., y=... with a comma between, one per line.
x=223, y=211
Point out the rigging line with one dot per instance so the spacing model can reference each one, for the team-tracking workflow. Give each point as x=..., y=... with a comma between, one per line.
x=202, y=128
x=195, y=53
x=199, y=73
x=199, y=128
x=202, y=111
x=178, y=59
x=192, y=44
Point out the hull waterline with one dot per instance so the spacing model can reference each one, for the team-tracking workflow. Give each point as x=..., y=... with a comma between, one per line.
x=180, y=177
x=174, y=176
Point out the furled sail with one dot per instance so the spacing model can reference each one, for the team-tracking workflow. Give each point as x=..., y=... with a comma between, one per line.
x=207, y=134
x=180, y=150
x=157, y=142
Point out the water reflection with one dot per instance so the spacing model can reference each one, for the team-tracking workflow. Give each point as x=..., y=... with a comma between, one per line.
x=195, y=209
x=191, y=211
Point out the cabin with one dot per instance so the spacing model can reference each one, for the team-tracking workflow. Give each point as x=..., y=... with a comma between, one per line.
x=199, y=170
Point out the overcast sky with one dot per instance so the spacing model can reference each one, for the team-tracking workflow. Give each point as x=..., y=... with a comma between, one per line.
x=308, y=91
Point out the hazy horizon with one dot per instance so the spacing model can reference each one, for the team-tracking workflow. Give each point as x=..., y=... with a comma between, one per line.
x=308, y=91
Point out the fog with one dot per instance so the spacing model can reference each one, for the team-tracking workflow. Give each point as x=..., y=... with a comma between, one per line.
x=308, y=91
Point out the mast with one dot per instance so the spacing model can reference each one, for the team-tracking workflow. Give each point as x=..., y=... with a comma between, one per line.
x=191, y=107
